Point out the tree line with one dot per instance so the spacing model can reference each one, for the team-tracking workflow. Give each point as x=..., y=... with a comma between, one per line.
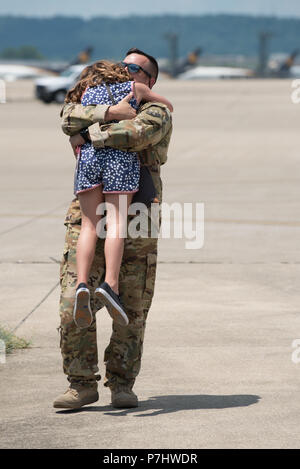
x=63, y=37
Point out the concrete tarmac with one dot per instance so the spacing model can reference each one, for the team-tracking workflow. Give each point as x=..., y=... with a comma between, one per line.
x=219, y=369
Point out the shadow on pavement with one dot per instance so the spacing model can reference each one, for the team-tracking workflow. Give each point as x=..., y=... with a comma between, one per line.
x=174, y=403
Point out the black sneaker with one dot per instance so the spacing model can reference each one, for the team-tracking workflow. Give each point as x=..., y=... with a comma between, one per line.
x=112, y=303
x=82, y=313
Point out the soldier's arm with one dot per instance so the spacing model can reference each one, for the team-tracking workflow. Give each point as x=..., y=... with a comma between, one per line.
x=76, y=117
x=148, y=128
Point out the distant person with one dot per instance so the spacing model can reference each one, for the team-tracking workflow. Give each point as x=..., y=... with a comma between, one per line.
x=148, y=132
x=103, y=175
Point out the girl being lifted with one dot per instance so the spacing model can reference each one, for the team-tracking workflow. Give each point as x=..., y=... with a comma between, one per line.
x=102, y=175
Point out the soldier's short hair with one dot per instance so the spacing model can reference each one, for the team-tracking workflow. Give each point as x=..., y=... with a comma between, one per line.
x=153, y=61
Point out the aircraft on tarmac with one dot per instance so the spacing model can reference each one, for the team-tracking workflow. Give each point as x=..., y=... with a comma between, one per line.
x=83, y=57
x=52, y=80
x=189, y=68
x=173, y=66
x=284, y=66
x=202, y=72
x=11, y=72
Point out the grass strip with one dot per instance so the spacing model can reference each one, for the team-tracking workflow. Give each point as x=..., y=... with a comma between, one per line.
x=12, y=342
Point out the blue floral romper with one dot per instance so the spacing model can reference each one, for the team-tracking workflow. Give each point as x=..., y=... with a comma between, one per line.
x=118, y=171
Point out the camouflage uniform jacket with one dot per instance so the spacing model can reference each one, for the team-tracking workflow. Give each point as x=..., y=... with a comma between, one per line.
x=148, y=133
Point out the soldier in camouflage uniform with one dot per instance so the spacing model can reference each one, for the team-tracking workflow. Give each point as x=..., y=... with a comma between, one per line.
x=149, y=134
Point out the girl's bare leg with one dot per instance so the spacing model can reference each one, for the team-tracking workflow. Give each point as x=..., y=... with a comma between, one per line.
x=116, y=220
x=87, y=240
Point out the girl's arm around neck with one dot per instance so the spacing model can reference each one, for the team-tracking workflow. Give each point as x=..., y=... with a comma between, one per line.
x=143, y=93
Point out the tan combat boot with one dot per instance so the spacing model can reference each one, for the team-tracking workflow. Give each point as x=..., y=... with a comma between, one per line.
x=123, y=397
x=76, y=396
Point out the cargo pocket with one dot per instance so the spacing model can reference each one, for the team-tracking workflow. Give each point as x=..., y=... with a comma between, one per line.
x=150, y=280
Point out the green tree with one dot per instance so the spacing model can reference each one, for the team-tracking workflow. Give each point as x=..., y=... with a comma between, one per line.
x=9, y=53
x=23, y=52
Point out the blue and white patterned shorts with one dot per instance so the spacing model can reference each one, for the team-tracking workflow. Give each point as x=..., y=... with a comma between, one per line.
x=116, y=170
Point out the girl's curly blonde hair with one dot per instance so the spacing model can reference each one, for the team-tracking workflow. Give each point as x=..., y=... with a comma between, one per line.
x=100, y=72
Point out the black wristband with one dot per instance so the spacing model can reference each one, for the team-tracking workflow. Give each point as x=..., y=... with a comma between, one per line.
x=85, y=135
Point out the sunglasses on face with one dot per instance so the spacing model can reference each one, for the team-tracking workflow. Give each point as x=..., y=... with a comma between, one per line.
x=134, y=68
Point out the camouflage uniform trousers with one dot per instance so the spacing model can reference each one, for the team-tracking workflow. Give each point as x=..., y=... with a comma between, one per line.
x=136, y=285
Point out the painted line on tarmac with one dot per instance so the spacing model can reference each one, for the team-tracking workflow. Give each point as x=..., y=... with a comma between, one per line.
x=37, y=306
x=295, y=224
x=230, y=263
x=33, y=219
x=254, y=222
x=26, y=215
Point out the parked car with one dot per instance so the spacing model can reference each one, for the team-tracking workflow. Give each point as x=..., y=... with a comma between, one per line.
x=49, y=89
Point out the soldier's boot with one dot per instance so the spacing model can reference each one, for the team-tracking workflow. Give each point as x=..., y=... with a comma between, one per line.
x=77, y=396
x=123, y=397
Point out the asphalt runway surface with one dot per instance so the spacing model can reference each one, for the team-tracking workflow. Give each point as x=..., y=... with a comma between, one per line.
x=220, y=366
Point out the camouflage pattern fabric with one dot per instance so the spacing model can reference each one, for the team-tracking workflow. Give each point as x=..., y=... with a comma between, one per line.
x=137, y=276
x=149, y=133
x=74, y=115
x=136, y=283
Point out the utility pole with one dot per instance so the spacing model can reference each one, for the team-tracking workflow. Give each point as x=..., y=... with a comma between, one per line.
x=172, y=38
x=263, y=53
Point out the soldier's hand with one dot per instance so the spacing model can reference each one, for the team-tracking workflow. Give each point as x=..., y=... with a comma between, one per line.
x=76, y=141
x=121, y=111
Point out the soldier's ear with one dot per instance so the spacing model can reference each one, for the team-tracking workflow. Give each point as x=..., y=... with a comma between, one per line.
x=152, y=82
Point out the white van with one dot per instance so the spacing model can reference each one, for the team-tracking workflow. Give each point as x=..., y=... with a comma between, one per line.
x=49, y=89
